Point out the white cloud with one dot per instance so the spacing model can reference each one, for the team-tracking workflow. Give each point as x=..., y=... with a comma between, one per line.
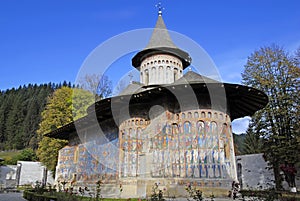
x=240, y=125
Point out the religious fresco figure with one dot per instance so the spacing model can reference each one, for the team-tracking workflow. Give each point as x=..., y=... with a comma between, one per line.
x=195, y=156
x=171, y=143
x=190, y=170
x=188, y=141
x=175, y=129
x=160, y=142
x=182, y=170
x=214, y=128
x=182, y=141
x=165, y=142
x=133, y=161
x=187, y=127
x=139, y=133
x=201, y=141
x=196, y=170
x=195, y=141
x=158, y=128
x=140, y=146
x=180, y=128
x=215, y=142
x=133, y=145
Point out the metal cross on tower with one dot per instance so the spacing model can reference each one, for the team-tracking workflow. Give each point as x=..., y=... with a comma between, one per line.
x=160, y=8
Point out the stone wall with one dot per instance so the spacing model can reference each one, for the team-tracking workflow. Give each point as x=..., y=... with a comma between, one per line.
x=253, y=172
x=29, y=173
x=8, y=176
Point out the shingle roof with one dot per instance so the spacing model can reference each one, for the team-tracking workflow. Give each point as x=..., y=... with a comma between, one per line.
x=160, y=36
x=161, y=42
x=134, y=87
x=192, y=77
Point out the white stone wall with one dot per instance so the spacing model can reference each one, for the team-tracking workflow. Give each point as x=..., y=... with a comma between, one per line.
x=8, y=176
x=160, y=69
x=30, y=172
x=253, y=172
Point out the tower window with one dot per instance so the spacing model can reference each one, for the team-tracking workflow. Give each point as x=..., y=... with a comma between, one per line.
x=146, y=79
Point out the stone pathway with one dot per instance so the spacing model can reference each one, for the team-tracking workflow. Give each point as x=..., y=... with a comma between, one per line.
x=11, y=197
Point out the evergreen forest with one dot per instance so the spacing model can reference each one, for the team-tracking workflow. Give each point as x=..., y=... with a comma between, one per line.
x=20, y=114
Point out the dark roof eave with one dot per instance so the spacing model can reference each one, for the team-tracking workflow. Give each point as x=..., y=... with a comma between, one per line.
x=253, y=100
x=182, y=55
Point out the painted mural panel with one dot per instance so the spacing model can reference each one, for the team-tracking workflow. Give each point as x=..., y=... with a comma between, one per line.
x=89, y=162
x=186, y=145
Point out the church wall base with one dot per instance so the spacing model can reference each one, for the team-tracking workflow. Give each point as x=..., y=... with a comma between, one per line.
x=173, y=188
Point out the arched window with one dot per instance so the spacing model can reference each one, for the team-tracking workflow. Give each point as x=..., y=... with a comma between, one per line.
x=175, y=74
x=146, y=80
x=202, y=114
x=153, y=75
x=196, y=114
x=168, y=74
x=161, y=75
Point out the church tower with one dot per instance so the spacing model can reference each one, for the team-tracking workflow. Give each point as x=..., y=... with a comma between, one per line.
x=161, y=62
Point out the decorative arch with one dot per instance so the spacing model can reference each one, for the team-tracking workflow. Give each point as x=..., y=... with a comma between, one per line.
x=187, y=127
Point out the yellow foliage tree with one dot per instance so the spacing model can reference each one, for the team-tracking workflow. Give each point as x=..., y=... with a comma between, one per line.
x=63, y=106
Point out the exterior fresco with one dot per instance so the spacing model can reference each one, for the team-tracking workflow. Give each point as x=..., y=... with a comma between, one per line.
x=191, y=146
x=89, y=162
x=195, y=144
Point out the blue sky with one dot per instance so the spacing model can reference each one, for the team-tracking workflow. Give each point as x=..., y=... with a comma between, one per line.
x=47, y=41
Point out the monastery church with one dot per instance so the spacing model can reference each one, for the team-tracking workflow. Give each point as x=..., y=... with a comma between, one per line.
x=171, y=128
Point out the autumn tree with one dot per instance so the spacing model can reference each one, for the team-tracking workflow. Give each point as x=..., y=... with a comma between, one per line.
x=272, y=70
x=64, y=106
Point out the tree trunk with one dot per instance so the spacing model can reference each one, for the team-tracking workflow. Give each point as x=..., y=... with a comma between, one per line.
x=277, y=176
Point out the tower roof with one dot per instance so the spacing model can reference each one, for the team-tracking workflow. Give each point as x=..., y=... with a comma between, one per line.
x=161, y=42
x=160, y=36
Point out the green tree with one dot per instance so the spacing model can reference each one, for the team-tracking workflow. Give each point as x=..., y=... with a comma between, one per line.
x=63, y=107
x=20, y=115
x=27, y=155
x=238, y=141
x=252, y=144
x=274, y=71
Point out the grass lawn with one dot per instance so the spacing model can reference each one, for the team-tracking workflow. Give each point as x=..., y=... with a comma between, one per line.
x=8, y=155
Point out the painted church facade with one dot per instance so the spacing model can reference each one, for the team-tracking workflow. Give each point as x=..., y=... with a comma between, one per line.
x=153, y=133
